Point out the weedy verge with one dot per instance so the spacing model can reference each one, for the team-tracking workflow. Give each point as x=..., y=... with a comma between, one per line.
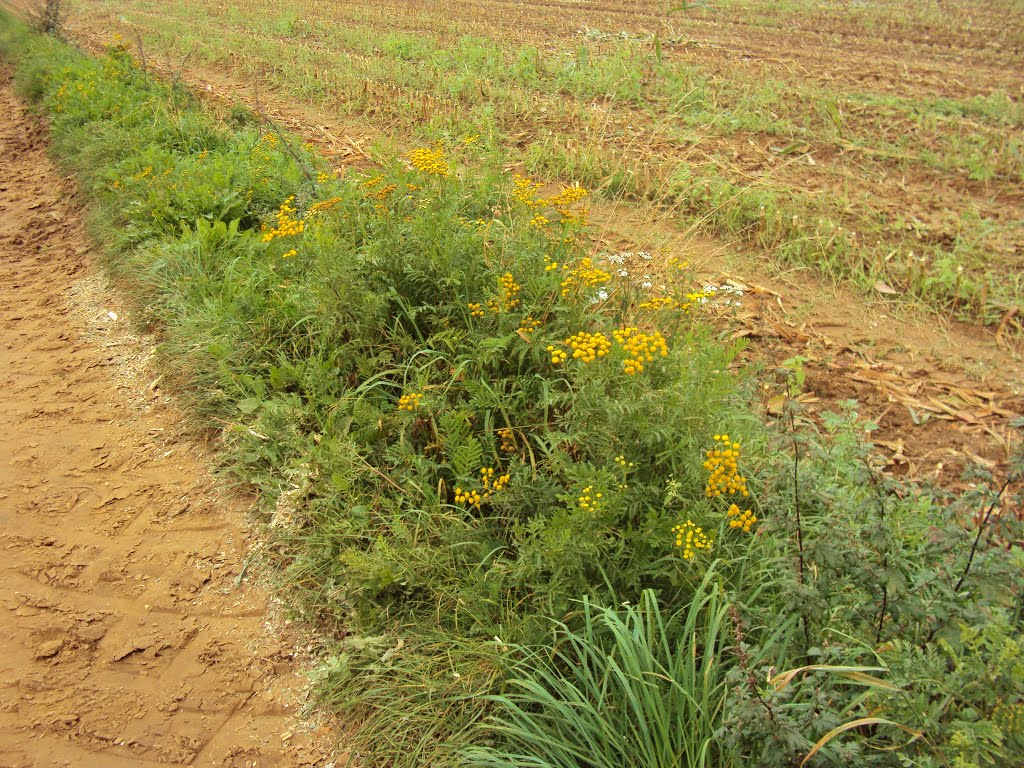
x=525, y=498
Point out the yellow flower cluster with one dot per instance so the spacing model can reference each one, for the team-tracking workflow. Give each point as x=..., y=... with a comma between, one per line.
x=491, y=484
x=384, y=191
x=642, y=347
x=509, y=290
x=667, y=302
x=524, y=190
x=113, y=70
x=588, y=502
x=264, y=149
x=118, y=43
x=625, y=466
x=528, y=324
x=659, y=302
x=323, y=177
x=568, y=196
x=744, y=519
x=429, y=161
x=585, y=275
x=722, y=463
x=558, y=356
x=564, y=201
x=508, y=440
x=287, y=223
x=580, y=217
x=469, y=498
x=698, y=297
x=691, y=539
x=410, y=402
x=677, y=263
x=289, y=254
x=509, y=299
x=587, y=347
x=324, y=205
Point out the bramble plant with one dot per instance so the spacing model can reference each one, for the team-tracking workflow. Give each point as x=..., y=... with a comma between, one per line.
x=504, y=474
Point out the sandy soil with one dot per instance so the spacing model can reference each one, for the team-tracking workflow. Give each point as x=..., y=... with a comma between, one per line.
x=130, y=634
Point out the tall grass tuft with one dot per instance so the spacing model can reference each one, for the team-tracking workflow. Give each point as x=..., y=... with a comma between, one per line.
x=629, y=686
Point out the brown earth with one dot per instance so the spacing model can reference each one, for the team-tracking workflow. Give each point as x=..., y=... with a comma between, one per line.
x=130, y=634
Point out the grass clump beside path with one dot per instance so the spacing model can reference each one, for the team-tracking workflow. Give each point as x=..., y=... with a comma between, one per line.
x=523, y=494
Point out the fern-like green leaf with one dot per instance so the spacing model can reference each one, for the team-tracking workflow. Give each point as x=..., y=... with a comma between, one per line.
x=466, y=458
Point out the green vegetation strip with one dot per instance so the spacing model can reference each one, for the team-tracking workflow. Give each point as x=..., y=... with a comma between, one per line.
x=527, y=502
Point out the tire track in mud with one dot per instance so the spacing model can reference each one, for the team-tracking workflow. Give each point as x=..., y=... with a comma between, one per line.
x=127, y=638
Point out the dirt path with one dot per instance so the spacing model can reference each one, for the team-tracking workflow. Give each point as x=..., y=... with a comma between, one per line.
x=127, y=637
